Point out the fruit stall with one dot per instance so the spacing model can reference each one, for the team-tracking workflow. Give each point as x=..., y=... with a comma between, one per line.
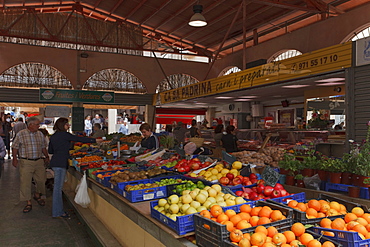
x=163, y=198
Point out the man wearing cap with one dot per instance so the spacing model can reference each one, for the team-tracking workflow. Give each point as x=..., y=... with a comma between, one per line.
x=179, y=132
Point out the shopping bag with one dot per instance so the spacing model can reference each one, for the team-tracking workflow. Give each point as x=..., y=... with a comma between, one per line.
x=82, y=196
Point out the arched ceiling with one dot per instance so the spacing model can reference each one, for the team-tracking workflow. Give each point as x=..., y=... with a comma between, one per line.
x=165, y=21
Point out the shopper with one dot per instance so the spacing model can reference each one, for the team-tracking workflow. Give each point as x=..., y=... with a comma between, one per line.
x=18, y=126
x=30, y=154
x=88, y=125
x=97, y=131
x=194, y=131
x=229, y=141
x=179, y=133
x=59, y=145
x=218, y=134
x=97, y=119
x=150, y=141
x=2, y=154
x=7, y=128
x=123, y=128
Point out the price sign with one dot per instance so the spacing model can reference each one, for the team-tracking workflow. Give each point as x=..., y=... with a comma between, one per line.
x=228, y=157
x=270, y=176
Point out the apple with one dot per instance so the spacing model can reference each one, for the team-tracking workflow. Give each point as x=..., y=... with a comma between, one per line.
x=261, y=188
x=230, y=202
x=253, y=195
x=224, y=180
x=268, y=190
x=283, y=192
x=174, y=209
x=237, y=165
x=162, y=202
x=276, y=193
x=252, y=176
x=194, y=166
x=212, y=192
x=207, y=204
x=222, y=204
x=248, y=183
x=191, y=210
x=239, y=200
x=254, y=180
x=237, y=181
x=174, y=199
x=217, y=187
x=241, y=177
x=239, y=193
x=230, y=176
x=195, y=204
x=278, y=186
x=186, y=199
x=201, y=198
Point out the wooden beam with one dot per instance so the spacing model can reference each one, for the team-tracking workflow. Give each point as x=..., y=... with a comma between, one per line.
x=276, y=3
x=164, y=4
x=133, y=11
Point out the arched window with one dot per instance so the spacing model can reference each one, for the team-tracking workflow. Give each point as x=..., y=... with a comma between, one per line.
x=285, y=54
x=360, y=33
x=229, y=70
x=115, y=80
x=175, y=81
x=34, y=75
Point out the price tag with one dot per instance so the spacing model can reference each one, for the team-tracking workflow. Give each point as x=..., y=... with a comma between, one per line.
x=148, y=196
x=160, y=193
x=228, y=157
x=270, y=176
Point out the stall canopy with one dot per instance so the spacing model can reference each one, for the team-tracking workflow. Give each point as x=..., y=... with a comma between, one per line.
x=170, y=115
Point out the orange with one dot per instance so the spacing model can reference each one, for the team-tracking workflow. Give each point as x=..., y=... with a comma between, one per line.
x=285, y=245
x=362, y=221
x=244, y=216
x=292, y=203
x=279, y=239
x=216, y=210
x=263, y=220
x=295, y=243
x=313, y=243
x=205, y=213
x=302, y=206
x=222, y=217
x=214, y=219
x=247, y=236
x=268, y=244
x=230, y=213
x=311, y=212
x=338, y=224
x=320, y=215
x=305, y=238
x=358, y=211
x=368, y=227
x=229, y=225
x=261, y=229
x=335, y=205
x=258, y=239
x=351, y=224
x=243, y=224
x=289, y=235
x=360, y=229
x=271, y=231
x=324, y=207
x=265, y=212
x=315, y=204
x=326, y=223
x=343, y=209
x=235, y=219
x=366, y=216
x=367, y=236
x=254, y=220
x=276, y=215
x=298, y=229
x=349, y=217
x=327, y=244
x=236, y=235
x=332, y=212
x=246, y=208
x=255, y=211
x=330, y=234
x=244, y=243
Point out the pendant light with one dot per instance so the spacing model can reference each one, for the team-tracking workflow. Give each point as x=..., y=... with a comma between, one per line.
x=197, y=20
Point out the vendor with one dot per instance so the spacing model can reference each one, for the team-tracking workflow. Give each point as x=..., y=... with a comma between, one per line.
x=229, y=141
x=97, y=131
x=150, y=141
x=218, y=134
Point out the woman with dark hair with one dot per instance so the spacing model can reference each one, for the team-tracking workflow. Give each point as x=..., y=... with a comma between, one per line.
x=150, y=141
x=229, y=141
x=194, y=131
x=59, y=145
x=218, y=134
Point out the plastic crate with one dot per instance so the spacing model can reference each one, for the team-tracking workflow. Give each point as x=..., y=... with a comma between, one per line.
x=210, y=233
x=345, y=238
x=105, y=180
x=182, y=225
x=364, y=192
x=299, y=216
x=299, y=197
x=91, y=170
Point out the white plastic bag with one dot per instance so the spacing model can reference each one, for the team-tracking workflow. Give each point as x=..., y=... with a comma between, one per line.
x=82, y=196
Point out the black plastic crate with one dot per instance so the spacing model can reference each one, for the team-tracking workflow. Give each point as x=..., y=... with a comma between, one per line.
x=210, y=233
x=299, y=216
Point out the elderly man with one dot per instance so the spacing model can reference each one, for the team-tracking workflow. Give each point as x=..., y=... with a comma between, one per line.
x=30, y=154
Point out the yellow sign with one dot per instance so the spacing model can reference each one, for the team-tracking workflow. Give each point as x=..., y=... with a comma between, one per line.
x=324, y=60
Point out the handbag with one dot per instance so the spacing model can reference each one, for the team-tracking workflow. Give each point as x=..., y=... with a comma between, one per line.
x=197, y=140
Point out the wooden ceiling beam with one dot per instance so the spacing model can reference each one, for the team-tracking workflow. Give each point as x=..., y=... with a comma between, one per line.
x=279, y=4
x=133, y=11
x=146, y=18
x=115, y=7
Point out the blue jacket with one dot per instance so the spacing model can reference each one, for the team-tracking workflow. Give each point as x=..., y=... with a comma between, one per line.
x=59, y=145
x=151, y=142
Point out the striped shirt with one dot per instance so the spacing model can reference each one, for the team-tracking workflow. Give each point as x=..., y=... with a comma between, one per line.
x=29, y=144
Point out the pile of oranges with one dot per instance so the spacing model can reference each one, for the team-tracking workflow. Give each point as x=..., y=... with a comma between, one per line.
x=270, y=237
x=319, y=208
x=247, y=217
x=357, y=220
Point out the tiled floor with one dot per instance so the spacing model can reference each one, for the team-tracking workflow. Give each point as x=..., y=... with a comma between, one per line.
x=36, y=228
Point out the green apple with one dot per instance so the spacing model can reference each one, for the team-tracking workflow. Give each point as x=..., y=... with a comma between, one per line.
x=221, y=194
x=174, y=209
x=217, y=187
x=174, y=199
x=201, y=208
x=222, y=204
x=197, y=190
x=207, y=204
x=162, y=202
x=219, y=199
x=156, y=207
x=212, y=192
x=195, y=204
x=185, y=192
x=193, y=194
x=191, y=210
x=186, y=199
x=160, y=209
x=206, y=188
x=230, y=202
x=201, y=198
x=227, y=196
x=232, y=197
x=239, y=200
x=211, y=199
x=184, y=207
x=204, y=192
x=173, y=216
x=166, y=207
